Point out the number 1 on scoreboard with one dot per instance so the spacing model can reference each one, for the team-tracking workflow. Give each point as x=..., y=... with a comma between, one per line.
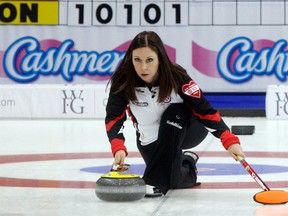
x=79, y=13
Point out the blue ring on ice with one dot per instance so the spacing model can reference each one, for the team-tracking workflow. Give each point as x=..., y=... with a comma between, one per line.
x=204, y=169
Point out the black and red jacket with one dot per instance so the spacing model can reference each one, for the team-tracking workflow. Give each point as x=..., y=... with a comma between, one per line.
x=146, y=114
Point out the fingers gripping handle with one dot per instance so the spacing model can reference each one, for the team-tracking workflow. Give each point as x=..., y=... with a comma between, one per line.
x=120, y=167
x=254, y=175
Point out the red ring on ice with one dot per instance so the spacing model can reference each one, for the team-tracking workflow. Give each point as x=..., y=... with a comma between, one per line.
x=20, y=182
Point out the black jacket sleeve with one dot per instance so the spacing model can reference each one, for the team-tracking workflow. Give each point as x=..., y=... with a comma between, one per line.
x=114, y=121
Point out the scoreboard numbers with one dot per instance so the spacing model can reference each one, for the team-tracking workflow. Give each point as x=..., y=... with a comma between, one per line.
x=128, y=13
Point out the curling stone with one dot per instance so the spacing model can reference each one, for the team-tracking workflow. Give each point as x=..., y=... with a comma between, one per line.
x=116, y=186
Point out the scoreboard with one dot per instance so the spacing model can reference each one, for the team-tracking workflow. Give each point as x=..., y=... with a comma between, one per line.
x=143, y=12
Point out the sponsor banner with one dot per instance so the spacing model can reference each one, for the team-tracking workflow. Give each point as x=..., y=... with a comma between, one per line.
x=13, y=101
x=52, y=101
x=277, y=102
x=101, y=94
x=218, y=62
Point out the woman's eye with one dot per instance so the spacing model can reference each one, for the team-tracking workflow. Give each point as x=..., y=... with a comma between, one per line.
x=149, y=60
x=136, y=59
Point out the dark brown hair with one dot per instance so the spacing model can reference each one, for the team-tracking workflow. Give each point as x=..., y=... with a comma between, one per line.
x=125, y=77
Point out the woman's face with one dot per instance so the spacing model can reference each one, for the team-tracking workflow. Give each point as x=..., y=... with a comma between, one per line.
x=146, y=63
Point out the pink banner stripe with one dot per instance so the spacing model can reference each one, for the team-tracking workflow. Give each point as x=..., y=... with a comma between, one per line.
x=204, y=60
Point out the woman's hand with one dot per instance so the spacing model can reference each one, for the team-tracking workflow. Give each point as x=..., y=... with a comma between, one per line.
x=119, y=157
x=236, y=150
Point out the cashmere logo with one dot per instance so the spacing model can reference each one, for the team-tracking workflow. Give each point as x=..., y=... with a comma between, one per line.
x=173, y=124
x=24, y=61
x=191, y=89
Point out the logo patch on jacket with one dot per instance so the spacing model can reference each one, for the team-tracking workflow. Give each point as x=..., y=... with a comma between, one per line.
x=140, y=104
x=191, y=89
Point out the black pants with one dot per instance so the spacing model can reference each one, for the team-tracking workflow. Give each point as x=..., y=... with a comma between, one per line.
x=166, y=167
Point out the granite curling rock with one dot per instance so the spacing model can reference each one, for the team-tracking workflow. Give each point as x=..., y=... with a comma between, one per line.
x=115, y=186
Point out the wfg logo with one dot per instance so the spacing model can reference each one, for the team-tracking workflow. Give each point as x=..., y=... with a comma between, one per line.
x=281, y=103
x=73, y=101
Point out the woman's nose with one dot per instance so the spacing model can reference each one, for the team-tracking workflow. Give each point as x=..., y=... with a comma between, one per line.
x=144, y=66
